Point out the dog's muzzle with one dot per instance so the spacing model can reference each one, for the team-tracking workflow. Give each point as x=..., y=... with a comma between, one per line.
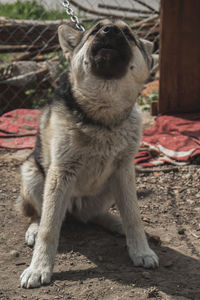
x=110, y=53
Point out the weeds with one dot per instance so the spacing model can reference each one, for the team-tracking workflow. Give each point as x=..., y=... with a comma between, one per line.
x=145, y=102
x=30, y=10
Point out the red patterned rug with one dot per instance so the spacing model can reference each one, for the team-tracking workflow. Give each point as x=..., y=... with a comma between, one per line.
x=18, y=128
x=172, y=139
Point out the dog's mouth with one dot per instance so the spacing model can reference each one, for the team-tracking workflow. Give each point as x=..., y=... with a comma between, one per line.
x=110, y=53
x=105, y=49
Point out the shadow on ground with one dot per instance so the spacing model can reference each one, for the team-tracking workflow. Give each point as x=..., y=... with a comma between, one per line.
x=178, y=274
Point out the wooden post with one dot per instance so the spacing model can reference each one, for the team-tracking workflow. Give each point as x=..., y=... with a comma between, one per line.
x=180, y=56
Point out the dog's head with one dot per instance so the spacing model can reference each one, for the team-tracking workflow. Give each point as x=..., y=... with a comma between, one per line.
x=107, y=60
x=108, y=50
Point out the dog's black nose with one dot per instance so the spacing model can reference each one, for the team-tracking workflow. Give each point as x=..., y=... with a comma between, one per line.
x=110, y=29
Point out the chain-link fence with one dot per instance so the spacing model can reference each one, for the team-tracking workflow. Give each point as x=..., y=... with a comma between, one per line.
x=31, y=63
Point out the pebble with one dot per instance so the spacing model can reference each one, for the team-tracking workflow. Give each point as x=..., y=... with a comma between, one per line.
x=146, y=220
x=153, y=292
x=168, y=264
x=100, y=258
x=181, y=231
x=14, y=253
x=20, y=263
x=146, y=275
x=155, y=239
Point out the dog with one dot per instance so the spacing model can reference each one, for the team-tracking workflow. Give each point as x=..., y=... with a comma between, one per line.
x=87, y=139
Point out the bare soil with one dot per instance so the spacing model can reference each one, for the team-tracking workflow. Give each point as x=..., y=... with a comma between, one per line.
x=94, y=264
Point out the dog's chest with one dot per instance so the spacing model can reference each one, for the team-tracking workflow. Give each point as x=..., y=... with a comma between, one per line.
x=99, y=160
x=94, y=175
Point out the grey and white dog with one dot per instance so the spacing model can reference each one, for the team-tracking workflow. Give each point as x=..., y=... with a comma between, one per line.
x=88, y=136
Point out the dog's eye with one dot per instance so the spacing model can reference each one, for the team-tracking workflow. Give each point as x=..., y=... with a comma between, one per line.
x=95, y=30
x=128, y=34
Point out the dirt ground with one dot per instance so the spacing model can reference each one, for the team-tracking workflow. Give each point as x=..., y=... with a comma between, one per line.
x=94, y=264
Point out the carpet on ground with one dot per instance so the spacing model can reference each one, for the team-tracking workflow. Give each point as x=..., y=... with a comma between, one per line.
x=173, y=139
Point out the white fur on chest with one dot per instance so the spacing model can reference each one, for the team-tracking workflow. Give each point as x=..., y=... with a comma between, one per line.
x=98, y=151
x=93, y=176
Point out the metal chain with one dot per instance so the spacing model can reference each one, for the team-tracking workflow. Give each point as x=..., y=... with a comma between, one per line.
x=71, y=13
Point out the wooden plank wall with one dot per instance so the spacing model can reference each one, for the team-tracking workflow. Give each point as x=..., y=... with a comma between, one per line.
x=180, y=56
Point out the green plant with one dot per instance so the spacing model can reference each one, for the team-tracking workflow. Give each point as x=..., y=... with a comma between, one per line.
x=38, y=103
x=145, y=102
x=63, y=64
x=39, y=99
x=30, y=92
x=5, y=58
x=153, y=96
x=30, y=10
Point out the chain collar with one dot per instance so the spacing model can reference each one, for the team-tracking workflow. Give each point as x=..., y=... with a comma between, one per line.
x=72, y=15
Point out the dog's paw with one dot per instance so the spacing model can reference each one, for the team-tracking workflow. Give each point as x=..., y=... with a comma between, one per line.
x=31, y=234
x=147, y=259
x=35, y=277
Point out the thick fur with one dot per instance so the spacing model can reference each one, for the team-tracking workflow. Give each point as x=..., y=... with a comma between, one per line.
x=87, y=140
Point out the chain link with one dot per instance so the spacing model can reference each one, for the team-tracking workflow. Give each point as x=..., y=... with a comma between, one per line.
x=72, y=15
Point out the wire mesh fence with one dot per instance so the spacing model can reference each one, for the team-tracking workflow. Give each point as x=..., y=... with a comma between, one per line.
x=31, y=62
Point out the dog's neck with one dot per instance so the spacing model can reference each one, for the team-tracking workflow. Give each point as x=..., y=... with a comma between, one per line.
x=65, y=93
x=107, y=102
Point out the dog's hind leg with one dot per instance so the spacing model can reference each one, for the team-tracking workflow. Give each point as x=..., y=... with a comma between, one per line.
x=110, y=222
x=95, y=209
x=29, y=202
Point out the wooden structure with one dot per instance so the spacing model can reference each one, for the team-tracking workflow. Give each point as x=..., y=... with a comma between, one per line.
x=179, y=56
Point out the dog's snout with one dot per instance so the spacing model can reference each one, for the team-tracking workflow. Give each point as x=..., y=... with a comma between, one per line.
x=110, y=29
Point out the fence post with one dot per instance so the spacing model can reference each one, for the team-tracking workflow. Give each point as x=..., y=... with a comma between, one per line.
x=179, y=56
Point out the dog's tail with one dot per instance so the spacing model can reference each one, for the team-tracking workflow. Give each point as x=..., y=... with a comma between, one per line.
x=25, y=208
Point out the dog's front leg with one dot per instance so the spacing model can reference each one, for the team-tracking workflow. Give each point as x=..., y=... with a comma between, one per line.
x=126, y=199
x=53, y=211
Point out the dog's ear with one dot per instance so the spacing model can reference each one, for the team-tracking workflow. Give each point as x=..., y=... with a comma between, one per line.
x=148, y=46
x=155, y=63
x=69, y=38
x=154, y=58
